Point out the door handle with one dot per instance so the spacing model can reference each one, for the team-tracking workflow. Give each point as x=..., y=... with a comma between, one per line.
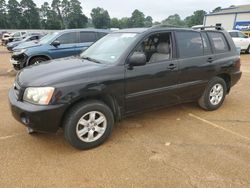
x=172, y=66
x=210, y=60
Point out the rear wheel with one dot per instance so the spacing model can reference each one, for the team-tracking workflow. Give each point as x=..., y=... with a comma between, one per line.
x=88, y=124
x=37, y=60
x=214, y=94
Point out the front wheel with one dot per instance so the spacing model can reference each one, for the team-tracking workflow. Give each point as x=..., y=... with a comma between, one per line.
x=37, y=60
x=214, y=94
x=88, y=124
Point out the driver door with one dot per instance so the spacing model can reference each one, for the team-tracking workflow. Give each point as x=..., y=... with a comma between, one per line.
x=153, y=84
x=67, y=47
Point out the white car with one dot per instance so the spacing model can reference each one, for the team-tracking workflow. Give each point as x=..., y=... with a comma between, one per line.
x=241, y=40
x=5, y=38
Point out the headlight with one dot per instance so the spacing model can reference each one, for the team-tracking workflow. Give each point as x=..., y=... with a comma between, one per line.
x=19, y=52
x=38, y=95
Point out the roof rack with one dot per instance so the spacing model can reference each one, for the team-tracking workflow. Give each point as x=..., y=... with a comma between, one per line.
x=166, y=25
x=208, y=27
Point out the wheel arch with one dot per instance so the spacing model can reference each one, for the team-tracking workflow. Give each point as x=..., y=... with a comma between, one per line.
x=35, y=56
x=227, y=78
x=109, y=100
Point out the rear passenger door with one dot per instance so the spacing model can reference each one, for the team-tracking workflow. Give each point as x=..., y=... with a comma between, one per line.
x=195, y=63
x=67, y=47
x=86, y=39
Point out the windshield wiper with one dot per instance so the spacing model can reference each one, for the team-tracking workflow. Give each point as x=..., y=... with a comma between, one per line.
x=91, y=59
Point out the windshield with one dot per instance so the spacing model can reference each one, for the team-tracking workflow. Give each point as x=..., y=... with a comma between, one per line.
x=110, y=48
x=48, y=38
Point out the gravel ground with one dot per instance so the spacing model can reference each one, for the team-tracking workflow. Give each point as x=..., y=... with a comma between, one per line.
x=181, y=146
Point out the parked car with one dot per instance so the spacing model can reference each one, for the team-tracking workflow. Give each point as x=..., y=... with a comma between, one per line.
x=124, y=73
x=241, y=40
x=56, y=45
x=17, y=36
x=5, y=38
x=14, y=44
x=1, y=33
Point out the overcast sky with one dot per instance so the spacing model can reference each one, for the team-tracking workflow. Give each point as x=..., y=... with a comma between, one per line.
x=158, y=9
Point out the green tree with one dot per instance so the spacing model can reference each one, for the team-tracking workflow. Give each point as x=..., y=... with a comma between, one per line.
x=76, y=19
x=196, y=18
x=14, y=14
x=30, y=15
x=148, y=21
x=3, y=15
x=48, y=16
x=124, y=22
x=217, y=9
x=115, y=23
x=137, y=19
x=57, y=7
x=174, y=20
x=100, y=18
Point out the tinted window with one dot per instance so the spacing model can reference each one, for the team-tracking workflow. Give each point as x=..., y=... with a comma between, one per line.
x=206, y=44
x=189, y=44
x=219, y=42
x=34, y=38
x=100, y=35
x=68, y=38
x=87, y=37
x=233, y=34
x=23, y=33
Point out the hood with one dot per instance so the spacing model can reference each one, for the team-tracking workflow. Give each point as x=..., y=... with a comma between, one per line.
x=57, y=71
x=11, y=44
x=25, y=45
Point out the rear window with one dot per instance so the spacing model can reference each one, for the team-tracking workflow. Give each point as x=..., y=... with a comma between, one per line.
x=189, y=44
x=219, y=42
x=87, y=37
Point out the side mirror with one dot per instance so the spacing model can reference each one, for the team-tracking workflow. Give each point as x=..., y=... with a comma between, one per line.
x=137, y=59
x=56, y=43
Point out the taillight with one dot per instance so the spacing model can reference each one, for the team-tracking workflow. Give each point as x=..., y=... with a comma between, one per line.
x=238, y=64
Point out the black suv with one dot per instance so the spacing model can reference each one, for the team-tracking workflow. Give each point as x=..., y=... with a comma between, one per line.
x=125, y=72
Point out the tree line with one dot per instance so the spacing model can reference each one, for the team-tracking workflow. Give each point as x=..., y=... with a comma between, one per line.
x=63, y=14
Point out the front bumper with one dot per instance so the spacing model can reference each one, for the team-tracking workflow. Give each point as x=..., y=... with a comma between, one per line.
x=40, y=118
x=19, y=61
x=10, y=48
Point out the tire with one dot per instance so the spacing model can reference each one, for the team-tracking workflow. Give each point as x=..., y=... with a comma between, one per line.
x=37, y=60
x=248, y=50
x=74, y=130
x=211, y=98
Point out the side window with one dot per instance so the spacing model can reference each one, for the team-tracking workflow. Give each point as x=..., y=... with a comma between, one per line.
x=233, y=34
x=157, y=47
x=68, y=38
x=241, y=35
x=87, y=37
x=206, y=44
x=189, y=44
x=33, y=38
x=23, y=33
x=17, y=34
x=218, y=41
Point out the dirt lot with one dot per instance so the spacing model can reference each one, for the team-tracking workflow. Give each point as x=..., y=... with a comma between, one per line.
x=181, y=146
